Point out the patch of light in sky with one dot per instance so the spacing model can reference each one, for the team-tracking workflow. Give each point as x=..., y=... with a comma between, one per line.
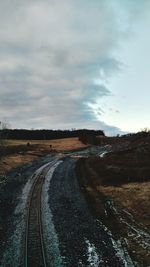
x=128, y=106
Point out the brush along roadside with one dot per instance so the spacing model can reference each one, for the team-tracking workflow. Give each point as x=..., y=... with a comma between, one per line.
x=117, y=188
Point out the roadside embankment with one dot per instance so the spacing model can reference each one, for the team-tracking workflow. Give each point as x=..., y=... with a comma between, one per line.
x=117, y=188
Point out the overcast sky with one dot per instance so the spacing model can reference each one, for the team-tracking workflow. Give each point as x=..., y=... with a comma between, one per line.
x=75, y=64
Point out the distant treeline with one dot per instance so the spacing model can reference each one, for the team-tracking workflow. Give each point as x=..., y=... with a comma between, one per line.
x=22, y=134
x=139, y=135
x=103, y=140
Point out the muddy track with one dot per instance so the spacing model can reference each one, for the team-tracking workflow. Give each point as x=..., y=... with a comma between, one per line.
x=34, y=243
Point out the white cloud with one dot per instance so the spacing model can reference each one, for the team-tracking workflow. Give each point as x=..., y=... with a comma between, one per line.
x=51, y=53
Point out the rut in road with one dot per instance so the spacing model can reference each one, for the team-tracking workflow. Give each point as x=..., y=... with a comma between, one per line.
x=34, y=243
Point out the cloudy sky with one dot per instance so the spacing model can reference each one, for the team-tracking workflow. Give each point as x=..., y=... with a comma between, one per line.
x=75, y=64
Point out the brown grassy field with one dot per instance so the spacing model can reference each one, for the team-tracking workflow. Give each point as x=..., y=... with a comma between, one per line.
x=16, y=152
x=65, y=144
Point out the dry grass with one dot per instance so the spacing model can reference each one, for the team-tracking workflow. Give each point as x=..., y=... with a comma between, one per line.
x=13, y=161
x=17, y=152
x=124, y=176
x=133, y=197
x=65, y=144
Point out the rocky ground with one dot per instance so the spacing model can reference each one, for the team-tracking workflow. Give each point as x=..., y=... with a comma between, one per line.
x=87, y=221
x=11, y=189
x=83, y=240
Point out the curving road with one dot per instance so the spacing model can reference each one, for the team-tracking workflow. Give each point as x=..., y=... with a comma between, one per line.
x=83, y=241
x=71, y=237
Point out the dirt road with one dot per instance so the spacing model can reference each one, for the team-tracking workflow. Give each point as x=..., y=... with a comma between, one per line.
x=83, y=241
x=72, y=236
